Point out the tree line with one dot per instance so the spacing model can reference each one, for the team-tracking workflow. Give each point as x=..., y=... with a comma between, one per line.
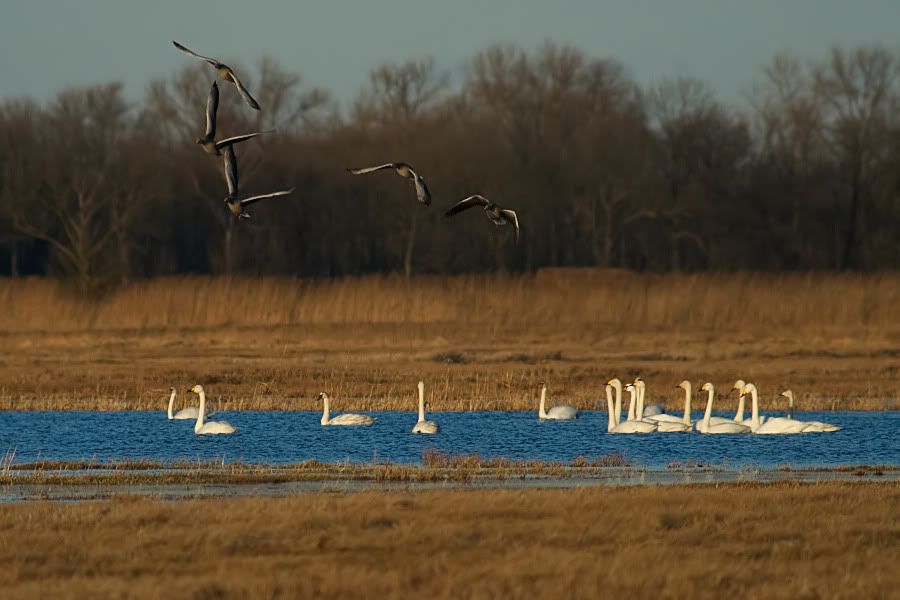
x=802, y=175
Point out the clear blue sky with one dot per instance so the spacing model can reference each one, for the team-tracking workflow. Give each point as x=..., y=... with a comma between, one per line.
x=46, y=45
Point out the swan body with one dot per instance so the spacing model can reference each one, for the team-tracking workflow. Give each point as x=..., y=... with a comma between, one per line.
x=811, y=426
x=343, y=419
x=188, y=413
x=208, y=427
x=557, y=413
x=774, y=426
x=674, y=420
x=672, y=427
x=423, y=426
x=629, y=426
x=708, y=427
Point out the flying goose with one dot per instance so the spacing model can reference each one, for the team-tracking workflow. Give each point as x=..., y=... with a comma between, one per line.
x=224, y=72
x=499, y=216
x=403, y=170
x=208, y=142
x=235, y=204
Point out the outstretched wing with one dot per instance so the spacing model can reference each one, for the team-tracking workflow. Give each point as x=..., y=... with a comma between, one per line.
x=422, y=193
x=364, y=170
x=252, y=199
x=466, y=203
x=190, y=52
x=238, y=139
x=212, y=105
x=242, y=90
x=231, y=171
x=511, y=218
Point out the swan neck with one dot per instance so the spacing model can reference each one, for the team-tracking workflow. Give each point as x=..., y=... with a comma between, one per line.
x=631, y=413
x=754, y=399
x=611, y=409
x=542, y=410
x=202, y=412
x=639, y=390
x=171, y=403
x=739, y=415
x=325, y=410
x=421, y=403
x=618, y=404
x=687, y=405
x=709, y=403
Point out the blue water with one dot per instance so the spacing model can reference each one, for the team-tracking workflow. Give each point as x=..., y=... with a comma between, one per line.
x=288, y=437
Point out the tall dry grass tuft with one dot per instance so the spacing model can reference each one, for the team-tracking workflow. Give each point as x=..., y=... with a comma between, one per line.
x=551, y=300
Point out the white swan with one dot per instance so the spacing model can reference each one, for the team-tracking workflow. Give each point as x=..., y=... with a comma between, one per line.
x=739, y=415
x=686, y=386
x=647, y=411
x=631, y=425
x=557, y=413
x=344, y=419
x=671, y=423
x=775, y=425
x=423, y=426
x=812, y=426
x=188, y=413
x=707, y=426
x=210, y=427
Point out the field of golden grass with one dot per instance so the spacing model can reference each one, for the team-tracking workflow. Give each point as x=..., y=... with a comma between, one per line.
x=763, y=541
x=479, y=342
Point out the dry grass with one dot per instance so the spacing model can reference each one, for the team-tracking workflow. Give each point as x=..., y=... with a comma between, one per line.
x=762, y=541
x=480, y=342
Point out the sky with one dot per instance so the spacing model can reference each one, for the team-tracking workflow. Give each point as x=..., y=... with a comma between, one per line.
x=47, y=45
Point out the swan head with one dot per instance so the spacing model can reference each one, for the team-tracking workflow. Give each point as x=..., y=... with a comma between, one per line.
x=322, y=396
x=197, y=389
x=787, y=394
x=630, y=387
x=171, y=390
x=748, y=388
x=614, y=382
x=707, y=387
x=638, y=382
x=684, y=385
x=739, y=386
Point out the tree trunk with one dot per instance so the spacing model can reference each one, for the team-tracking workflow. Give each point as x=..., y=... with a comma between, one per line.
x=848, y=257
x=410, y=246
x=226, y=250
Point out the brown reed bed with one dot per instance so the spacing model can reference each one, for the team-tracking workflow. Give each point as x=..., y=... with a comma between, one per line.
x=783, y=540
x=479, y=342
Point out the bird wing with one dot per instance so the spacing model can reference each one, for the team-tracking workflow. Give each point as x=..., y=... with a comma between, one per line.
x=252, y=199
x=466, y=203
x=242, y=90
x=422, y=192
x=513, y=220
x=190, y=52
x=231, y=171
x=364, y=170
x=212, y=105
x=238, y=139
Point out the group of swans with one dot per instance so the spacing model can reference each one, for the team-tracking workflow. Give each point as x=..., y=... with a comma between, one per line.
x=638, y=421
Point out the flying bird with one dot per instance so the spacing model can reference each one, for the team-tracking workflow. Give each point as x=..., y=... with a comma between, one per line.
x=499, y=216
x=207, y=142
x=403, y=170
x=225, y=74
x=235, y=204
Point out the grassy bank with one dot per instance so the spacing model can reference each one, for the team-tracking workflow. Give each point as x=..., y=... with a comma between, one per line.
x=774, y=541
x=479, y=342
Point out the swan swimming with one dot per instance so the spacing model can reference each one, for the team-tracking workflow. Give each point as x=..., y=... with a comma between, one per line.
x=739, y=415
x=648, y=411
x=210, y=427
x=557, y=413
x=629, y=426
x=812, y=426
x=775, y=425
x=671, y=423
x=423, y=426
x=183, y=414
x=708, y=427
x=343, y=419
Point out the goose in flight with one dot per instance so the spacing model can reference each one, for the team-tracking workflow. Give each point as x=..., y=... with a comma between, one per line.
x=497, y=215
x=209, y=427
x=224, y=72
x=208, y=142
x=344, y=419
x=235, y=204
x=403, y=170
